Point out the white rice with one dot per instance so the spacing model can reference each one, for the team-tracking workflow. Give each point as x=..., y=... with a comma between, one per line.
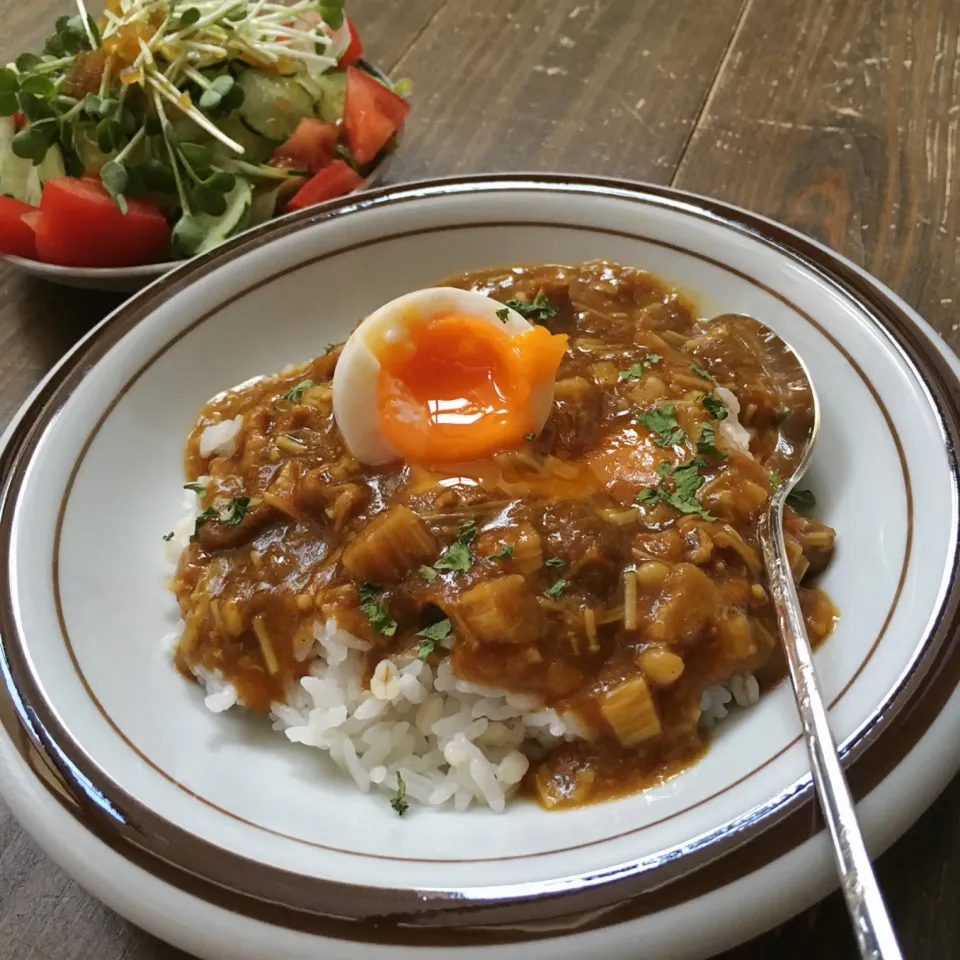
x=221, y=694
x=220, y=439
x=452, y=742
x=730, y=427
x=718, y=699
x=179, y=537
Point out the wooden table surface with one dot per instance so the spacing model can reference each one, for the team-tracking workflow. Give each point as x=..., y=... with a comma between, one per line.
x=841, y=119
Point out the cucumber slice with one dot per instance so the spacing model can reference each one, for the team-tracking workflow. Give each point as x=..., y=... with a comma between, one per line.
x=51, y=165
x=329, y=91
x=12, y=182
x=273, y=106
x=18, y=177
x=7, y=129
x=233, y=220
x=264, y=205
x=85, y=144
x=257, y=149
x=21, y=180
x=187, y=131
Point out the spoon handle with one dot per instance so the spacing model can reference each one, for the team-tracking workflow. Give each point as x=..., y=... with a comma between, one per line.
x=871, y=922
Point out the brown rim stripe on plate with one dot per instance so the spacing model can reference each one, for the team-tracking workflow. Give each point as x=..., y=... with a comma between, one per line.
x=130, y=833
x=655, y=867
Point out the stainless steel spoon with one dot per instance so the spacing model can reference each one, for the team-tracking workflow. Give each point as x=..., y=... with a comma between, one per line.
x=797, y=436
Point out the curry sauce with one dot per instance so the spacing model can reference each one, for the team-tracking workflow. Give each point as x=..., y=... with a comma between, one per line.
x=609, y=565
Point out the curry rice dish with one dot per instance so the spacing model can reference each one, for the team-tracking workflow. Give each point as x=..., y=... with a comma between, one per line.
x=501, y=542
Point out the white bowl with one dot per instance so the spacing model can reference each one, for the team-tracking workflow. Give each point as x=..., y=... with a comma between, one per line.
x=215, y=834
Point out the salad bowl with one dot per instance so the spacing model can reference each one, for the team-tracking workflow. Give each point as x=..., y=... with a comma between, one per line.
x=153, y=134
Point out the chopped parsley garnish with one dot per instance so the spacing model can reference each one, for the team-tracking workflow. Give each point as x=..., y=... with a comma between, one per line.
x=701, y=372
x=801, y=500
x=776, y=481
x=205, y=517
x=369, y=591
x=529, y=436
x=539, y=310
x=553, y=562
x=398, y=802
x=714, y=406
x=425, y=649
x=504, y=553
x=636, y=371
x=167, y=537
x=555, y=591
x=662, y=421
x=678, y=487
x=428, y=573
x=686, y=481
x=294, y=394
x=432, y=635
x=707, y=442
x=504, y=315
x=457, y=555
x=369, y=594
x=197, y=488
x=234, y=512
x=329, y=348
x=781, y=415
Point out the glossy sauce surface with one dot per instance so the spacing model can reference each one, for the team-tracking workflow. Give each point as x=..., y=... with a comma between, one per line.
x=612, y=566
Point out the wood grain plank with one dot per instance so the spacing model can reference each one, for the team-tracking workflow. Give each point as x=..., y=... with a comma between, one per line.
x=608, y=86
x=44, y=915
x=845, y=123
x=386, y=34
x=841, y=119
x=27, y=25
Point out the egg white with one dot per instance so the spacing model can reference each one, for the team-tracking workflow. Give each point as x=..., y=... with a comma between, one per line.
x=355, y=380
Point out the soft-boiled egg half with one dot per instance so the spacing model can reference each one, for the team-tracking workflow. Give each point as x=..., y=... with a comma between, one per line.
x=443, y=375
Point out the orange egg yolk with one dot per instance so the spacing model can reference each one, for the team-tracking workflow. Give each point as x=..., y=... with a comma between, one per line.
x=456, y=387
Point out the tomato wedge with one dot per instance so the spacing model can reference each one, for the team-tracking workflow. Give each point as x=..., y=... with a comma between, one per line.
x=335, y=180
x=354, y=49
x=372, y=114
x=310, y=147
x=16, y=237
x=79, y=225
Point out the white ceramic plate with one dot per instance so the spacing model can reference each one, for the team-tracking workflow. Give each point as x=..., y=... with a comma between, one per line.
x=216, y=835
x=131, y=279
